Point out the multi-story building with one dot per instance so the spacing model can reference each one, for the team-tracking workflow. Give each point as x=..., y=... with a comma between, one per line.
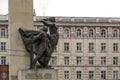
x=88, y=48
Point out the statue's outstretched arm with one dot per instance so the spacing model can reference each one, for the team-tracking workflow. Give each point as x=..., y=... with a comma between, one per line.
x=47, y=23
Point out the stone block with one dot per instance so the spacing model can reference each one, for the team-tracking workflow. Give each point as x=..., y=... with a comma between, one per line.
x=39, y=74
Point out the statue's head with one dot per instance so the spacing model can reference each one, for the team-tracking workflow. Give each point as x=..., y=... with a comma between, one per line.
x=52, y=19
x=45, y=29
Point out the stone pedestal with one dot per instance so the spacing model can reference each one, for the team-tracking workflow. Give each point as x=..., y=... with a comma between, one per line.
x=40, y=74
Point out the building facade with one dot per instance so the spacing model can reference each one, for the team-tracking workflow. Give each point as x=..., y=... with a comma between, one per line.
x=88, y=48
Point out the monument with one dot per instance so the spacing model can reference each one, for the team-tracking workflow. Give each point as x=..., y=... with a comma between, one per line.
x=21, y=16
x=40, y=42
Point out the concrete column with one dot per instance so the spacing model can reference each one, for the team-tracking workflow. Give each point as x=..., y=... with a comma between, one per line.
x=20, y=15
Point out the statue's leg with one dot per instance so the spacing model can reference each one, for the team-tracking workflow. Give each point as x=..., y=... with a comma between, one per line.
x=47, y=59
x=40, y=61
x=39, y=54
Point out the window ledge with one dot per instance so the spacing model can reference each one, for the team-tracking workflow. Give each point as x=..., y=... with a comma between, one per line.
x=115, y=52
x=103, y=51
x=79, y=51
x=91, y=52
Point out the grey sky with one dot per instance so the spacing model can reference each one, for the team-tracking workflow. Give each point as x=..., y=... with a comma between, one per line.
x=81, y=8
x=3, y=6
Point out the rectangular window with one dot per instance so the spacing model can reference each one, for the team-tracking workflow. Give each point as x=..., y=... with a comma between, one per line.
x=56, y=49
x=115, y=47
x=91, y=74
x=103, y=74
x=103, y=47
x=3, y=60
x=103, y=61
x=3, y=32
x=66, y=74
x=115, y=60
x=54, y=60
x=79, y=60
x=91, y=60
x=66, y=61
x=115, y=75
x=91, y=47
x=79, y=75
x=3, y=46
x=79, y=47
x=66, y=47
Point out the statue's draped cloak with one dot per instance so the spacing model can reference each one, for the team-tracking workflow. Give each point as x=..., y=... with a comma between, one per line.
x=28, y=37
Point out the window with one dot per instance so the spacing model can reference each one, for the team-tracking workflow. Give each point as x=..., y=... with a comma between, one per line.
x=91, y=74
x=103, y=33
x=66, y=60
x=55, y=49
x=66, y=74
x=103, y=61
x=91, y=47
x=79, y=60
x=91, y=33
x=53, y=60
x=79, y=47
x=3, y=46
x=103, y=74
x=91, y=60
x=66, y=47
x=78, y=33
x=66, y=33
x=115, y=75
x=115, y=33
x=3, y=60
x=79, y=75
x=115, y=60
x=103, y=47
x=115, y=47
x=3, y=32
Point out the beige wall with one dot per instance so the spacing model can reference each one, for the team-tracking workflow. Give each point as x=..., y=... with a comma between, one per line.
x=20, y=15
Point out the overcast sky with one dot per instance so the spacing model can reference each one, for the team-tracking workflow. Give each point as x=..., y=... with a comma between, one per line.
x=80, y=8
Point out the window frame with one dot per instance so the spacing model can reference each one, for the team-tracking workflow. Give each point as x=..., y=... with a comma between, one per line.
x=53, y=60
x=91, y=47
x=91, y=60
x=103, y=61
x=66, y=60
x=103, y=47
x=103, y=75
x=91, y=33
x=66, y=47
x=115, y=75
x=115, y=61
x=103, y=33
x=91, y=75
x=78, y=75
x=115, y=34
x=66, y=75
x=66, y=33
x=3, y=32
x=79, y=47
x=3, y=60
x=79, y=60
x=78, y=33
x=3, y=46
x=115, y=47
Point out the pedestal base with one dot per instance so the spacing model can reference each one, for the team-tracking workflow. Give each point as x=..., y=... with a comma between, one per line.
x=40, y=74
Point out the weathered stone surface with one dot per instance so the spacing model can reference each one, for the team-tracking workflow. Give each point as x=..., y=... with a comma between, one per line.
x=40, y=74
x=20, y=15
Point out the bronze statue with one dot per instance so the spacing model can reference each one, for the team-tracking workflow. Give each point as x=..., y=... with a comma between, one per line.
x=40, y=42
